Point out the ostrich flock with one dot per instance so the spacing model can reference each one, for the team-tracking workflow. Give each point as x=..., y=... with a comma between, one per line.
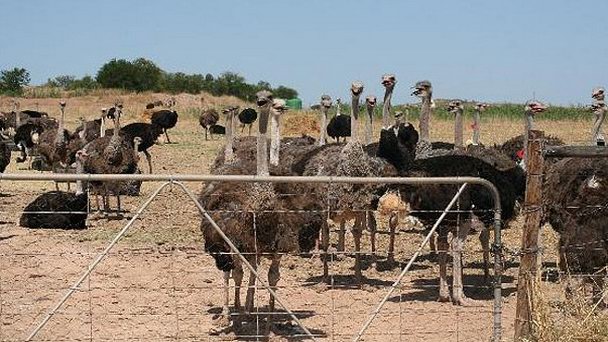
x=266, y=220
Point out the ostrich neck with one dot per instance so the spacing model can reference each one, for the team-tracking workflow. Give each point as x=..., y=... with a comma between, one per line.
x=476, y=119
x=323, y=125
x=354, y=119
x=275, y=142
x=386, y=107
x=600, y=115
x=262, y=143
x=529, y=126
x=425, y=117
x=369, y=125
x=102, y=127
x=228, y=152
x=458, y=130
x=79, y=170
x=59, y=137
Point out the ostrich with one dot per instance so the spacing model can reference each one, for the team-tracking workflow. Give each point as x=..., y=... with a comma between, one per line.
x=5, y=152
x=370, y=104
x=599, y=108
x=238, y=206
x=166, y=119
x=149, y=133
x=324, y=105
x=112, y=154
x=388, y=81
x=424, y=90
x=53, y=144
x=247, y=117
x=91, y=130
x=339, y=125
x=59, y=209
x=208, y=119
x=26, y=138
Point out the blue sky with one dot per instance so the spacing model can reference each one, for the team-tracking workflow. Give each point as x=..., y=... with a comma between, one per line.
x=484, y=50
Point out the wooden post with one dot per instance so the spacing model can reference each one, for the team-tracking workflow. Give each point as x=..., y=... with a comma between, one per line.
x=529, y=266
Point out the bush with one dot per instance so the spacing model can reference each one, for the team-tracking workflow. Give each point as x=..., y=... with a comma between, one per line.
x=13, y=81
x=139, y=75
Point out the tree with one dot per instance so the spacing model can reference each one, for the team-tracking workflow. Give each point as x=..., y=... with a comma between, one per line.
x=139, y=75
x=283, y=92
x=63, y=81
x=13, y=81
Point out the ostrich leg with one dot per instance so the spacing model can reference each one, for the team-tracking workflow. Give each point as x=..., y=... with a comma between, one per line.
x=167, y=136
x=393, y=222
x=442, y=246
x=274, y=276
x=224, y=320
x=149, y=159
x=457, y=249
x=251, y=286
x=206, y=133
x=341, y=235
x=373, y=229
x=357, y=232
x=484, y=239
x=325, y=249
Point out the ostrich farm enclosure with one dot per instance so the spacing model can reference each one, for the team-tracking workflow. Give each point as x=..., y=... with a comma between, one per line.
x=158, y=284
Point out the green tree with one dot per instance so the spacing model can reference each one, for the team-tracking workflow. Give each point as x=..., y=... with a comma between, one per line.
x=139, y=75
x=283, y=92
x=12, y=81
x=62, y=81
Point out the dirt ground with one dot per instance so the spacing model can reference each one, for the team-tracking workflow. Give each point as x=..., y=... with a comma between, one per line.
x=157, y=284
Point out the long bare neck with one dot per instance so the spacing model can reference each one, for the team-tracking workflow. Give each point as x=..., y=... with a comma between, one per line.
x=60, y=137
x=386, y=107
x=529, y=127
x=369, y=125
x=323, y=125
x=597, y=125
x=79, y=170
x=354, y=118
x=275, y=139
x=458, y=130
x=228, y=152
x=476, y=128
x=262, y=143
x=102, y=127
x=425, y=118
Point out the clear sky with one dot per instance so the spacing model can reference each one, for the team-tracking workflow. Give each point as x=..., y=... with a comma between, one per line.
x=482, y=50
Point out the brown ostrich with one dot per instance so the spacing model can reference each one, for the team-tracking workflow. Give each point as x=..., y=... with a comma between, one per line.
x=424, y=90
x=110, y=155
x=252, y=216
x=53, y=146
x=208, y=118
x=479, y=109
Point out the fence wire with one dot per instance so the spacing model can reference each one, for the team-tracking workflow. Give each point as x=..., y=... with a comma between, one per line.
x=157, y=282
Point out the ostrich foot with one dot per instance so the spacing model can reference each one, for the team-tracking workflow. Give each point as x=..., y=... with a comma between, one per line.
x=221, y=325
x=444, y=298
x=465, y=301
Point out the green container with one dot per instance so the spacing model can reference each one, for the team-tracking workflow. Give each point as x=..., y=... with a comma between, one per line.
x=294, y=103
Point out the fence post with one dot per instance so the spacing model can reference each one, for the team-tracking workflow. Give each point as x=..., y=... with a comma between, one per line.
x=529, y=265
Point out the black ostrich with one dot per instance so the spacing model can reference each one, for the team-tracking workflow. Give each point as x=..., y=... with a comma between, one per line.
x=247, y=117
x=166, y=119
x=339, y=125
x=217, y=129
x=148, y=133
x=5, y=153
x=208, y=118
x=59, y=209
x=26, y=138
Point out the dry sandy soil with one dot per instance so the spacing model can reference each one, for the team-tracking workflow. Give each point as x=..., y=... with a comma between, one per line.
x=157, y=284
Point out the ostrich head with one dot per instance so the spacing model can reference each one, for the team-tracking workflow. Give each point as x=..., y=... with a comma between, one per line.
x=62, y=104
x=137, y=141
x=455, y=107
x=263, y=98
x=279, y=106
x=598, y=93
x=534, y=107
x=422, y=89
x=481, y=106
x=356, y=88
x=104, y=112
x=326, y=102
x=370, y=101
x=230, y=110
x=389, y=81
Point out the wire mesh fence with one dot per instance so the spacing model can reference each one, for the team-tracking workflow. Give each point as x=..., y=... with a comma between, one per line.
x=158, y=283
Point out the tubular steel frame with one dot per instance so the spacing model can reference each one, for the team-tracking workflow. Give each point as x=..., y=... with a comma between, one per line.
x=178, y=179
